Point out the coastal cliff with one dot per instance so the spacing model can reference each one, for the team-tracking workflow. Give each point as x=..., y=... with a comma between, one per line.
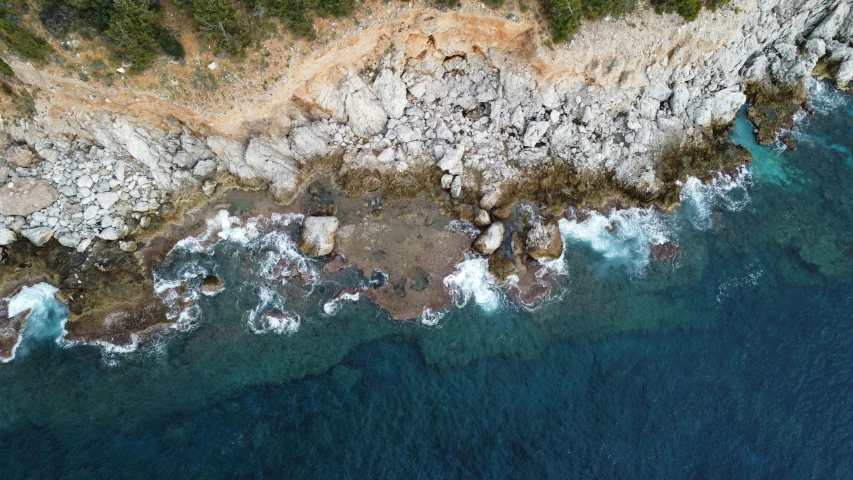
x=477, y=109
x=480, y=97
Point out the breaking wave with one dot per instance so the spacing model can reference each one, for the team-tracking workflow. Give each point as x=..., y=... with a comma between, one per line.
x=472, y=280
x=264, y=245
x=46, y=320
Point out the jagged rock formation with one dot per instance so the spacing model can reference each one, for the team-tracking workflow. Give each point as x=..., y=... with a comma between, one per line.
x=494, y=115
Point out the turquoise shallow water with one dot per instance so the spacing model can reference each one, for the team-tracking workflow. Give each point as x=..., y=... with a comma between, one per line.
x=735, y=361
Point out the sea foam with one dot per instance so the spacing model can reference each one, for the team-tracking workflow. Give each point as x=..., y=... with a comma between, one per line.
x=622, y=236
x=472, y=280
x=271, y=251
x=46, y=320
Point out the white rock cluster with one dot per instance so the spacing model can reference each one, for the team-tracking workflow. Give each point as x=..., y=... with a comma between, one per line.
x=485, y=120
x=482, y=117
x=99, y=193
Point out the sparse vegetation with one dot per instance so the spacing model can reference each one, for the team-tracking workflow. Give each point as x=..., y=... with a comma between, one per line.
x=5, y=69
x=564, y=17
x=17, y=36
x=136, y=32
x=595, y=9
x=689, y=9
x=131, y=28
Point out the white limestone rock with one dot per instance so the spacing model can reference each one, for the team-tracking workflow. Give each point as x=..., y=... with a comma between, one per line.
x=107, y=199
x=456, y=187
x=68, y=239
x=7, y=237
x=204, y=168
x=391, y=92
x=365, y=113
x=38, y=236
x=535, y=131
x=451, y=162
x=490, y=240
x=317, y=237
x=109, y=234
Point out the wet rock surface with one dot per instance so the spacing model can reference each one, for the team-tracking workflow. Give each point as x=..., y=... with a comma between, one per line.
x=212, y=285
x=543, y=240
x=317, y=237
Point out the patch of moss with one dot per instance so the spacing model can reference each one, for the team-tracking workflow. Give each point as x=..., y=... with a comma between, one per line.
x=6, y=70
x=772, y=108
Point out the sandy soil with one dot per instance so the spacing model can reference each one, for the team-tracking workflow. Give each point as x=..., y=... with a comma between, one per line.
x=256, y=93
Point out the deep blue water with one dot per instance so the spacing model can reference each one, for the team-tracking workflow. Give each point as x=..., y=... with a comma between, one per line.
x=736, y=361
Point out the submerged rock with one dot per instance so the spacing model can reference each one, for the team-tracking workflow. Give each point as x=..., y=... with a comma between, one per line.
x=490, y=240
x=317, y=238
x=212, y=285
x=544, y=240
x=666, y=251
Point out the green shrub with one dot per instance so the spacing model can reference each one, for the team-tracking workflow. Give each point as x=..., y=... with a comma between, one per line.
x=5, y=69
x=564, y=17
x=595, y=9
x=131, y=27
x=221, y=21
x=689, y=9
x=334, y=8
x=169, y=43
x=294, y=15
x=22, y=40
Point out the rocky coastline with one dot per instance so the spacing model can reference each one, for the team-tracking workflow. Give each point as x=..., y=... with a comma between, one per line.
x=426, y=114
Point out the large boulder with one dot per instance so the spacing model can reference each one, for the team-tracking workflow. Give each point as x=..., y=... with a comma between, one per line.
x=311, y=141
x=365, y=113
x=844, y=73
x=26, y=196
x=38, y=236
x=268, y=159
x=212, y=285
x=20, y=156
x=317, y=238
x=544, y=240
x=391, y=92
x=490, y=240
x=7, y=237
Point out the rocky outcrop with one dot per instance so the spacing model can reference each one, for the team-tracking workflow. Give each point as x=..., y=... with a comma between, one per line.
x=212, y=285
x=490, y=240
x=317, y=237
x=10, y=329
x=38, y=236
x=543, y=240
x=487, y=116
